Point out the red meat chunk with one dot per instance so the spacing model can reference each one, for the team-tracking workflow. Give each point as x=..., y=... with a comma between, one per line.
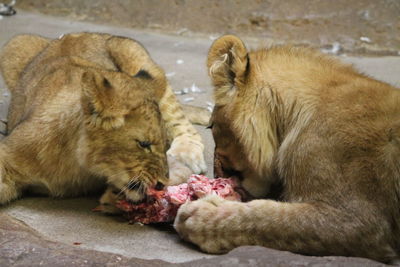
x=162, y=206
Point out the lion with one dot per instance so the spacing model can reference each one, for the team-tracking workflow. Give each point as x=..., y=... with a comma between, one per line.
x=91, y=109
x=327, y=135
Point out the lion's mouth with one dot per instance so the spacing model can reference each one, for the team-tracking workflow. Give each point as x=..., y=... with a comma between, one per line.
x=142, y=193
x=221, y=172
x=135, y=195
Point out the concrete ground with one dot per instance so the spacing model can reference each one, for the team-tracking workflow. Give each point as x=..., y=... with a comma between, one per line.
x=375, y=25
x=71, y=220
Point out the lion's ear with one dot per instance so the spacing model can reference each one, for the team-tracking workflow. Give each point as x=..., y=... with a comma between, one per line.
x=132, y=58
x=155, y=81
x=100, y=101
x=227, y=62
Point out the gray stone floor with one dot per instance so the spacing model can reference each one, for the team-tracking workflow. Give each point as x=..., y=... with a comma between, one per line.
x=71, y=220
x=23, y=246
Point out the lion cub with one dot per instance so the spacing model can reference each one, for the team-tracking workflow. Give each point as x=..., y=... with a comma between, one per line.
x=328, y=135
x=88, y=109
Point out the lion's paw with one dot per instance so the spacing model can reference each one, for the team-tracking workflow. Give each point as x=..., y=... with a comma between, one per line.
x=178, y=171
x=108, y=201
x=204, y=223
x=190, y=152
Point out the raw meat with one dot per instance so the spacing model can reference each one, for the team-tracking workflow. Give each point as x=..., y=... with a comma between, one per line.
x=162, y=206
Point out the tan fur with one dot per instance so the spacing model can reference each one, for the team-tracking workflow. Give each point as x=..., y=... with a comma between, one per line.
x=328, y=135
x=197, y=115
x=81, y=107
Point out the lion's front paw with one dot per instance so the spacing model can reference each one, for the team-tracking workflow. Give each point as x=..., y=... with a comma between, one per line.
x=189, y=152
x=206, y=223
x=108, y=201
x=178, y=171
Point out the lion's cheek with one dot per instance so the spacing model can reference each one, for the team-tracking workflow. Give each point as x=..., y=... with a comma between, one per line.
x=257, y=187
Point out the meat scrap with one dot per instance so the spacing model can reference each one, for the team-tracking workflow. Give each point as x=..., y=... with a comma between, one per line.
x=162, y=206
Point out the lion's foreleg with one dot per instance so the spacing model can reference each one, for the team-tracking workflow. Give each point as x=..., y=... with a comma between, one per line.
x=218, y=225
x=8, y=188
x=8, y=191
x=187, y=145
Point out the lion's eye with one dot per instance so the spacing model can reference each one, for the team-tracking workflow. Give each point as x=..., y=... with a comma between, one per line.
x=144, y=144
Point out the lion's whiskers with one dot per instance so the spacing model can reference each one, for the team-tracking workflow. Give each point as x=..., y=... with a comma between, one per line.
x=133, y=181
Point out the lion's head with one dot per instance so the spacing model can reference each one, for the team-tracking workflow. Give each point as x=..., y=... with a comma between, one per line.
x=123, y=137
x=242, y=127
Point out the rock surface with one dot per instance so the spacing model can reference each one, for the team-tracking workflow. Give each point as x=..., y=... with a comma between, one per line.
x=22, y=246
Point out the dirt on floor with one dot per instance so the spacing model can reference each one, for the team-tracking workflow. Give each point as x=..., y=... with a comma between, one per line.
x=368, y=27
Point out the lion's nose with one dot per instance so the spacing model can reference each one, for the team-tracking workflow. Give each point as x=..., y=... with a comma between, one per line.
x=159, y=186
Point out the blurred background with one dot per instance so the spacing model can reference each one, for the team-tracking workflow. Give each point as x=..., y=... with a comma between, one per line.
x=369, y=27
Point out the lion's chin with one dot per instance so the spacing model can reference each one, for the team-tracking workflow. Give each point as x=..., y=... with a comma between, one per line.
x=134, y=196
